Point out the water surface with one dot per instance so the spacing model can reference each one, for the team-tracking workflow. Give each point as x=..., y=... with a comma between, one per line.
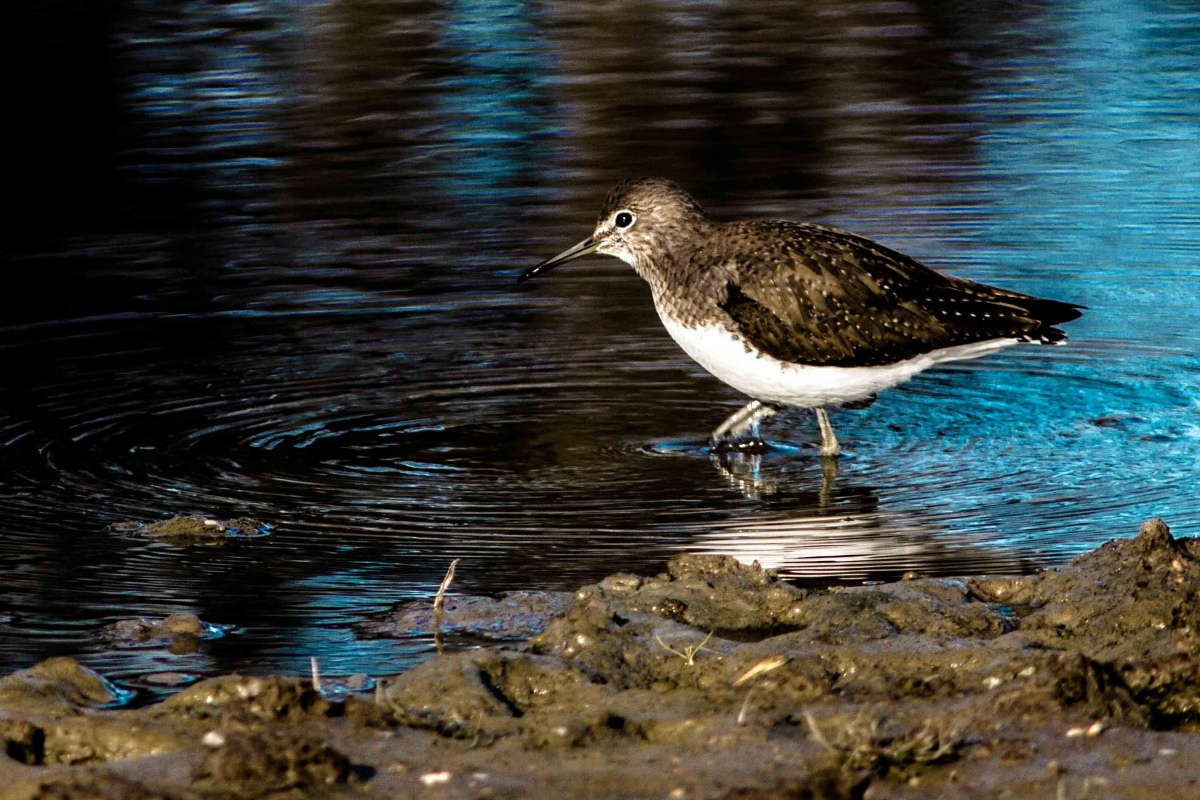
x=268, y=255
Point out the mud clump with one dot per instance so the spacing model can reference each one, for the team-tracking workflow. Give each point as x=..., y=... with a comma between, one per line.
x=44, y=718
x=194, y=529
x=713, y=680
x=61, y=684
x=95, y=785
x=248, y=765
x=238, y=698
x=178, y=633
x=1131, y=606
x=716, y=593
x=511, y=616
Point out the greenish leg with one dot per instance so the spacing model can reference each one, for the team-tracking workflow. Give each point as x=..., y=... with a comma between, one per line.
x=829, y=442
x=745, y=418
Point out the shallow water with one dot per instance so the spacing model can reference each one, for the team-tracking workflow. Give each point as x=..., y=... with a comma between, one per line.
x=268, y=255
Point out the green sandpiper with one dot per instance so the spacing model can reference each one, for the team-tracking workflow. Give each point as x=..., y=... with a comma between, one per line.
x=801, y=315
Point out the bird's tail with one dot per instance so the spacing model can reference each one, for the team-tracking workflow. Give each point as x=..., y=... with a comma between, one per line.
x=1049, y=313
x=1046, y=335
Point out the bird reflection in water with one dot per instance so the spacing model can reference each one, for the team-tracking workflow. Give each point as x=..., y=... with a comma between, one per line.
x=837, y=529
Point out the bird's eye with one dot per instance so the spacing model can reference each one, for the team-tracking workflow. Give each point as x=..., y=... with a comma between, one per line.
x=623, y=219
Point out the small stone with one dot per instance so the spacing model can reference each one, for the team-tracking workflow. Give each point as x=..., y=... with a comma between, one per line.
x=213, y=739
x=435, y=778
x=167, y=678
x=621, y=583
x=1155, y=535
x=358, y=682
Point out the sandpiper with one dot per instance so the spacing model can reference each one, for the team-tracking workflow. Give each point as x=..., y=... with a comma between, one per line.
x=796, y=314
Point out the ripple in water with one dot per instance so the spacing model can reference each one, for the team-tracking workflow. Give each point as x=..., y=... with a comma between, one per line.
x=320, y=328
x=544, y=461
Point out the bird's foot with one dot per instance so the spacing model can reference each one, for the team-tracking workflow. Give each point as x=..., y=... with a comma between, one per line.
x=829, y=442
x=752, y=446
x=731, y=436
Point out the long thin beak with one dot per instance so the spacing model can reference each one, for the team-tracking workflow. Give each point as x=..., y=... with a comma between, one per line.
x=586, y=247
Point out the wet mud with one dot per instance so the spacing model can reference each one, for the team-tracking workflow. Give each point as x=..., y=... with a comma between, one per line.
x=711, y=680
x=179, y=633
x=512, y=615
x=194, y=529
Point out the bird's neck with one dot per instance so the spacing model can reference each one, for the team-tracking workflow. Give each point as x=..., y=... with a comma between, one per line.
x=666, y=254
x=687, y=286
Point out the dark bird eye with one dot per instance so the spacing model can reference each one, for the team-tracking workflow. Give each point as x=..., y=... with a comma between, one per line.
x=623, y=219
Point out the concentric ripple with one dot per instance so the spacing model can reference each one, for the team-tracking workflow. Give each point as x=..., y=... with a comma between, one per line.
x=380, y=442
x=277, y=281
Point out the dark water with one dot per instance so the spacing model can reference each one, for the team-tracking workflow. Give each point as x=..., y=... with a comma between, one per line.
x=262, y=263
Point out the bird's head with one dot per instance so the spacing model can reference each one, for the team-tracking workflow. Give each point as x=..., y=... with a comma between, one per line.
x=641, y=221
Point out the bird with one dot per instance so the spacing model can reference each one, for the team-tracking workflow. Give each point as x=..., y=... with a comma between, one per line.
x=796, y=314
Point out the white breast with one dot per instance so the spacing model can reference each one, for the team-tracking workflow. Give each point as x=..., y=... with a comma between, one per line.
x=726, y=356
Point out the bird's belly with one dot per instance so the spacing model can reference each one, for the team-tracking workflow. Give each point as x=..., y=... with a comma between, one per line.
x=727, y=357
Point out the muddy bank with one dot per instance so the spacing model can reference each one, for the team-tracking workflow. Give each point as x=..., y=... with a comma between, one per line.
x=711, y=680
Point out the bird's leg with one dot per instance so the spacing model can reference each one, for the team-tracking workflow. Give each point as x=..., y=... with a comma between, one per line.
x=829, y=442
x=829, y=473
x=744, y=473
x=745, y=418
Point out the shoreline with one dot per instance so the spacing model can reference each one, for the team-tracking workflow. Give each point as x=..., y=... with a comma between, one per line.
x=711, y=680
